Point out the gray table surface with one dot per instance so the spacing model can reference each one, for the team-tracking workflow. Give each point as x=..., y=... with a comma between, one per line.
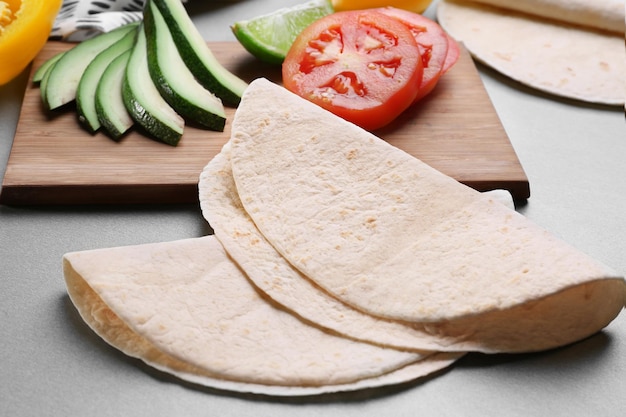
x=51, y=363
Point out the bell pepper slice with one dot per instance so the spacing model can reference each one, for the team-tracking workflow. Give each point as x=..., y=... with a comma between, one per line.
x=24, y=29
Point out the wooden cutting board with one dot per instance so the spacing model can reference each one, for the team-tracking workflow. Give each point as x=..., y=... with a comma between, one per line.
x=54, y=161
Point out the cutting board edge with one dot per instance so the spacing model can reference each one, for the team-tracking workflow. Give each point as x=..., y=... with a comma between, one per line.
x=31, y=195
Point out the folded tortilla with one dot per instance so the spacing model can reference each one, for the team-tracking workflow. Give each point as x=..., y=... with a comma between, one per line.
x=553, y=56
x=392, y=237
x=185, y=308
x=605, y=15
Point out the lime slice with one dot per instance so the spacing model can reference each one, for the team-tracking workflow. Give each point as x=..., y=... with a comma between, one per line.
x=269, y=36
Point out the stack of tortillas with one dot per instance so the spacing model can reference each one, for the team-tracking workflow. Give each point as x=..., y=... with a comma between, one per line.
x=569, y=48
x=339, y=262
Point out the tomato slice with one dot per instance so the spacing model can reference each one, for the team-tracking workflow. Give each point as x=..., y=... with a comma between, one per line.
x=361, y=65
x=452, y=56
x=432, y=41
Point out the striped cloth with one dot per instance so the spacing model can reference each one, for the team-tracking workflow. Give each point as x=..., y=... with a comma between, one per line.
x=82, y=19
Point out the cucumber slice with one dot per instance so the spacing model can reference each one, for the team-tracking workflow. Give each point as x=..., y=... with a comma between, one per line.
x=43, y=68
x=173, y=79
x=66, y=73
x=108, y=103
x=198, y=56
x=45, y=76
x=86, y=90
x=143, y=100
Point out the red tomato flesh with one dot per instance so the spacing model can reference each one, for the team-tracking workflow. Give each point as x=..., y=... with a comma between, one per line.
x=432, y=41
x=361, y=65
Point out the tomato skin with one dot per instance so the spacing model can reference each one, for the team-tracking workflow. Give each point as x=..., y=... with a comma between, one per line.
x=361, y=65
x=432, y=41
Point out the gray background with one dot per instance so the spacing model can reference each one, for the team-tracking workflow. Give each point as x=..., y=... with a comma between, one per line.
x=51, y=363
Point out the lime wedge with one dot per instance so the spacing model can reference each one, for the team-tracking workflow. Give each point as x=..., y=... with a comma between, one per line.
x=269, y=36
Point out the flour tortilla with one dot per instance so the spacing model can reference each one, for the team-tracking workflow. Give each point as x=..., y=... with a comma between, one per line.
x=607, y=15
x=562, y=59
x=528, y=327
x=184, y=307
x=391, y=236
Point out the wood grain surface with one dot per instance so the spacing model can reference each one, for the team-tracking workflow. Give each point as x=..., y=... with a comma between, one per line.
x=53, y=160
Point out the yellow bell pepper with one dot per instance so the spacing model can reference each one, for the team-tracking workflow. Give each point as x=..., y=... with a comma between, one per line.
x=24, y=29
x=417, y=6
